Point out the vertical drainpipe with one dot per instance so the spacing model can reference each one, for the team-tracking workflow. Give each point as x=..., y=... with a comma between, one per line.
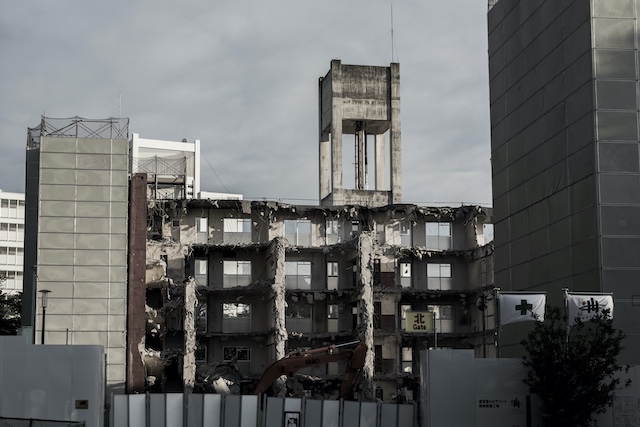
x=366, y=310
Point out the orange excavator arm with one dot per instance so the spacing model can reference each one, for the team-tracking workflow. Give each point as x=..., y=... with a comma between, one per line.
x=293, y=362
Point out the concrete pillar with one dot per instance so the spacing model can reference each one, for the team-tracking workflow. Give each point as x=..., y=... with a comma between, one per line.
x=189, y=327
x=324, y=154
x=361, y=156
x=396, y=148
x=280, y=338
x=366, y=310
x=336, y=125
x=325, y=166
x=380, y=163
x=136, y=288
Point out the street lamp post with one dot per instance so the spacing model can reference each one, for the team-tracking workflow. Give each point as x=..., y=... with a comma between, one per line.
x=44, y=303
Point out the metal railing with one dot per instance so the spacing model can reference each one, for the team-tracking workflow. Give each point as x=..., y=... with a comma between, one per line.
x=29, y=422
x=157, y=165
x=78, y=127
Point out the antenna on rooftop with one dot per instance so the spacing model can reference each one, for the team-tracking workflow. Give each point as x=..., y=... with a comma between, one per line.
x=120, y=105
x=392, y=32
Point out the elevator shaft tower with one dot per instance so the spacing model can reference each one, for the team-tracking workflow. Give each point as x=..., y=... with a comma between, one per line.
x=360, y=101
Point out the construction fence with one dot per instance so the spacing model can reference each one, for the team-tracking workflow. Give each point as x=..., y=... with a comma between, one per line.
x=22, y=422
x=215, y=410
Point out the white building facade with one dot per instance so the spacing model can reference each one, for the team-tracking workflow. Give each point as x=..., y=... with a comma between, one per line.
x=11, y=241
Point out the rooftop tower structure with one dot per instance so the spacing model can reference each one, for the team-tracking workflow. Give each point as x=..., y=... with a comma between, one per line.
x=361, y=101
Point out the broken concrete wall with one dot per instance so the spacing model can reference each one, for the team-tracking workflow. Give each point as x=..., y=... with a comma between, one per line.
x=189, y=328
x=364, y=266
x=366, y=310
x=277, y=258
x=164, y=341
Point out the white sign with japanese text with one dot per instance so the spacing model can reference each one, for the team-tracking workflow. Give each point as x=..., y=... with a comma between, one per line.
x=419, y=321
x=501, y=410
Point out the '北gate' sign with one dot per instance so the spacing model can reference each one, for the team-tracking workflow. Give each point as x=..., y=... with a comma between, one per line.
x=419, y=321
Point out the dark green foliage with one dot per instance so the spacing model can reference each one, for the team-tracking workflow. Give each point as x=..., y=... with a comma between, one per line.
x=10, y=306
x=575, y=377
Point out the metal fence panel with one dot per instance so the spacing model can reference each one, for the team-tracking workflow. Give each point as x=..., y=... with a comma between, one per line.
x=249, y=411
x=215, y=410
x=194, y=409
x=331, y=413
x=212, y=410
x=137, y=410
x=22, y=422
x=368, y=414
x=174, y=409
x=156, y=410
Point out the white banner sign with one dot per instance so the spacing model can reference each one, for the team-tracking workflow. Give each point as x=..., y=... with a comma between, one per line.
x=501, y=410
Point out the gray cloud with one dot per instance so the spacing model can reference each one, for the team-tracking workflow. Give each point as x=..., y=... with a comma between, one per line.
x=243, y=76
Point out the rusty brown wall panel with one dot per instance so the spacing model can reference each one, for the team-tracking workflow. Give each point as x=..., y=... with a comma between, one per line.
x=136, y=288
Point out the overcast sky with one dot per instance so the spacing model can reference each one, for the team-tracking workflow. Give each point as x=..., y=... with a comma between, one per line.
x=242, y=76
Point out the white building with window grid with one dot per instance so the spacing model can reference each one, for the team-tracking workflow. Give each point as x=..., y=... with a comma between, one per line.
x=11, y=241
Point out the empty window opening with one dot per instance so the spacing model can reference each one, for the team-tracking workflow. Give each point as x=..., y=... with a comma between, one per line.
x=236, y=317
x=439, y=277
x=202, y=230
x=359, y=159
x=241, y=356
x=236, y=230
x=298, y=231
x=297, y=274
x=403, y=315
x=407, y=360
x=299, y=317
x=332, y=275
x=438, y=235
x=405, y=274
x=487, y=234
x=405, y=233
x=332, y=232
x=200, y=273
x=236, y=273
x=443, y=317
x=332, y=317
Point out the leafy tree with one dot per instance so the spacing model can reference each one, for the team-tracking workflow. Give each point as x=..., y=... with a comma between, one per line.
x=574, y=376
x=10, y=306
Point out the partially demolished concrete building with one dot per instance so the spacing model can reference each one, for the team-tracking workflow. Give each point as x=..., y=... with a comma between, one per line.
x=249, y=282
x=217, y=290
x=252, y=281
